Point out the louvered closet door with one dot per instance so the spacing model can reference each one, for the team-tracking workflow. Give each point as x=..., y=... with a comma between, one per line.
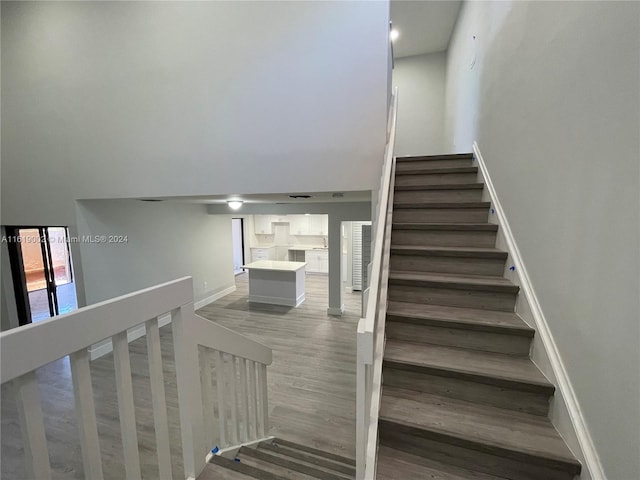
x=356, y=254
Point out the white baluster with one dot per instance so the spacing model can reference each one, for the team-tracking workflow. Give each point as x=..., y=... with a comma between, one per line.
x=126, y=407
x=86, y=414
x=222, y=409
x=158, y=399
x=32, y=424
x=207, y=396
x=253, y=399
x=244, y=400
x=264, y=402
x=235, y=430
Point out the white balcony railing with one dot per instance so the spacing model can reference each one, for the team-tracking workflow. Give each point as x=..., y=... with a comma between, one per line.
x=201, y=347
x=370, y=340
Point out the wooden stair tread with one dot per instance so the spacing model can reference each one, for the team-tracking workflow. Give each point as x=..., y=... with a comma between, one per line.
x=308, y=458
x=436, y=170
x=464, y=317
x=416, y=205
x=489, y=227
x=239, y=468
x=494, y=368
x=441, y=186
x=398, y=465
x=474, y=252
x=448, y=156
x=441, y=280
x=490, y=429
x=219, y=470
x=315, y=451
x=284, y=466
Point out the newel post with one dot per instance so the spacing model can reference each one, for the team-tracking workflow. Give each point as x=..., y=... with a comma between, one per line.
x=185, y=345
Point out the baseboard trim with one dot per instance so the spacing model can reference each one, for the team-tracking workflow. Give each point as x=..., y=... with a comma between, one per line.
x=585, y=441
x=100, y=349
x=212, y=298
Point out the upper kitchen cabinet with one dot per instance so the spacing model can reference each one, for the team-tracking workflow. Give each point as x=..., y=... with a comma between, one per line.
x=318, y=225
x=299, y=224
x=262, y=224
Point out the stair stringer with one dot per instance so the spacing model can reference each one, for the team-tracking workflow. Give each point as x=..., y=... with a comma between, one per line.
x=565, y=412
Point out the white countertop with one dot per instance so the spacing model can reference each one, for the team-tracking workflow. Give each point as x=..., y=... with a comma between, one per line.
x=307, y=247
x=275, y=265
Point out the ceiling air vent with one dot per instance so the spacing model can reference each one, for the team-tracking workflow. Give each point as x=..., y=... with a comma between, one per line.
x=299, y=196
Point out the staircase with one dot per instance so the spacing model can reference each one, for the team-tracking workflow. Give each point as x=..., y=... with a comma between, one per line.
x=279, y=459
x=461, y=398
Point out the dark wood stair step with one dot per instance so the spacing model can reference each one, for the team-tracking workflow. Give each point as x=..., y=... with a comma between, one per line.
x=451, y=281
x=463, y=227
x=448, y=156
x=443, y=234
x=441, y=205
x=436, y=170
x=311, y=459
x=453, y=327
x=451, y=186
x=287, y=467
x=448, y=260
x=508, y=434
x=482, y=367
x=240, y=468
x=460, y=252
x=399, y=465
x=461, y=318
x=314, y=451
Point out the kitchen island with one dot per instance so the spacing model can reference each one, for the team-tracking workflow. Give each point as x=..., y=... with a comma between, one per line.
x=277, y=283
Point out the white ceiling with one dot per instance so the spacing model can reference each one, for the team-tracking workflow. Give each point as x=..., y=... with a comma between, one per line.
x=425, y=26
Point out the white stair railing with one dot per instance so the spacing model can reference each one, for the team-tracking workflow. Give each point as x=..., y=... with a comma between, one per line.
x=370, y=336
x=27, y=348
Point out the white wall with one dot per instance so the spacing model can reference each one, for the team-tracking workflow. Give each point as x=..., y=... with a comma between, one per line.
x=421, y=83
x=139, y=99
x=165, y=241
x=551, y=92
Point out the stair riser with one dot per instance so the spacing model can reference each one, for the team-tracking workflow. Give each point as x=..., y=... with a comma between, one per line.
x=456, y=337
x=442, y=450
x=453, y=297
x=427, y=164
x=443, y=238
x=417, y=196
x=440, y=215
x=441, y=382
x=456, y=265
x=436, y=179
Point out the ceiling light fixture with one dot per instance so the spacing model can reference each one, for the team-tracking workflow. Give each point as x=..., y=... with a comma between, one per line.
x=234, y=204
x=394, y=34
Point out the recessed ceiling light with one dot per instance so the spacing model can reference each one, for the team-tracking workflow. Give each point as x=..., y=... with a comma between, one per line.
x=394, y=34
x=234, y=204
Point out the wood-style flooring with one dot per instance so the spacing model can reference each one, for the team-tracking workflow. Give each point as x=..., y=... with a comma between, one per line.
x=311, y=386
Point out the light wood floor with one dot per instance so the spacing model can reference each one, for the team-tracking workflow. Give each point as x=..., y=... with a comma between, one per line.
x=311, y=386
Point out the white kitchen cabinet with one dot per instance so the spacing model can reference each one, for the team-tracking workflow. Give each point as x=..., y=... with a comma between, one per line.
x=262, y=253
x=298, y=224
x=262, y=224
x=318, y=225
x=317, y=261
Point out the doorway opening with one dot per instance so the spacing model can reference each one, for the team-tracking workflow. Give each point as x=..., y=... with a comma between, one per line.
x=237, y=231
x=42, y=272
